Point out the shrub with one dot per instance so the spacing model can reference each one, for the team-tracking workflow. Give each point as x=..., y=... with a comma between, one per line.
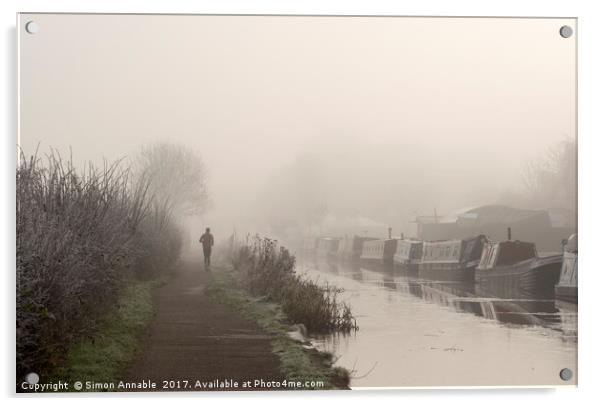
x=269, y=270
x=78, y=236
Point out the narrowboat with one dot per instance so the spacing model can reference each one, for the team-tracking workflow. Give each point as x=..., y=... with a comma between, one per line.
x=408, y=254
x=351, y=248
x=566, y=289
x=516, y=265
x=453, y=260
x=379, y=251
x=327, y=246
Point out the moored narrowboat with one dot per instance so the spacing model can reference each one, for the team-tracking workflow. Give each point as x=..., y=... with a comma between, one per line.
x=566, y=289
x=454, y=260
x=379, y=251
x=516, y=265
x=351, y=248
x=408, y=254
x=327, y=246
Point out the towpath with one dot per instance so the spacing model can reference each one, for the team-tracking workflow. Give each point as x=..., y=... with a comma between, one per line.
x=192, y=338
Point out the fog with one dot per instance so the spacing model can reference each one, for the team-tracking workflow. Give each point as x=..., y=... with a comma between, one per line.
x=307, y=124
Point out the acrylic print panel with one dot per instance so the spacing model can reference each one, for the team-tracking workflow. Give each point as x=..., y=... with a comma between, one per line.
x=295, y=202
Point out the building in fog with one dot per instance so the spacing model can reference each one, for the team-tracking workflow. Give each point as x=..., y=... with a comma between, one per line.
x=546, y=227
x=432, y=228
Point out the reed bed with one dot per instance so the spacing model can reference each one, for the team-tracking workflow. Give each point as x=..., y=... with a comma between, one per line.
x=79, y=236
x=269, y=271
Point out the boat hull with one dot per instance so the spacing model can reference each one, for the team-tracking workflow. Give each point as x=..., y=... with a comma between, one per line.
x=447, y=273
x=534, y=275
x=408, y=268
x=566, y=293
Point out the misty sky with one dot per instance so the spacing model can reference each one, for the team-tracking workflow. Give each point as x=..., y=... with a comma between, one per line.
x=394, y=116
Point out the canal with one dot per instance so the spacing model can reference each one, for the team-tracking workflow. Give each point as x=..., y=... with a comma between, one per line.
x=415, y=333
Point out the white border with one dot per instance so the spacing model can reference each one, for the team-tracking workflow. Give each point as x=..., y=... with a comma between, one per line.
x=590, y=204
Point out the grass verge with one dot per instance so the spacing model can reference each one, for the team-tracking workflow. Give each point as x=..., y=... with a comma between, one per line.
x=104, y=356
x=297, y=363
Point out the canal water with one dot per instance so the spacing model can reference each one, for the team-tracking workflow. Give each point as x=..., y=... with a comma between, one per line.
x=416, y=333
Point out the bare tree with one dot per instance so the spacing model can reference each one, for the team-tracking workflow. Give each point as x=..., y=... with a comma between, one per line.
x=177, y=177
x=552, y=180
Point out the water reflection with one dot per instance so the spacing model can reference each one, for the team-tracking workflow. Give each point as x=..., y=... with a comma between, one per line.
x=417, y=332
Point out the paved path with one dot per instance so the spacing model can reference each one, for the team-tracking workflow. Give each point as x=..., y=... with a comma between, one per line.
x=193, y=337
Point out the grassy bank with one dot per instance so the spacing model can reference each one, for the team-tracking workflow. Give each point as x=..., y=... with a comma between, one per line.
x=105, y=355
x=297, y=363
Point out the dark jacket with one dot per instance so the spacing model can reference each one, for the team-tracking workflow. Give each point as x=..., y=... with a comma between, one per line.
x=207, y=241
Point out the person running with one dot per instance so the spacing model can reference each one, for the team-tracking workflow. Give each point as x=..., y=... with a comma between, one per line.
x=207, y=241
